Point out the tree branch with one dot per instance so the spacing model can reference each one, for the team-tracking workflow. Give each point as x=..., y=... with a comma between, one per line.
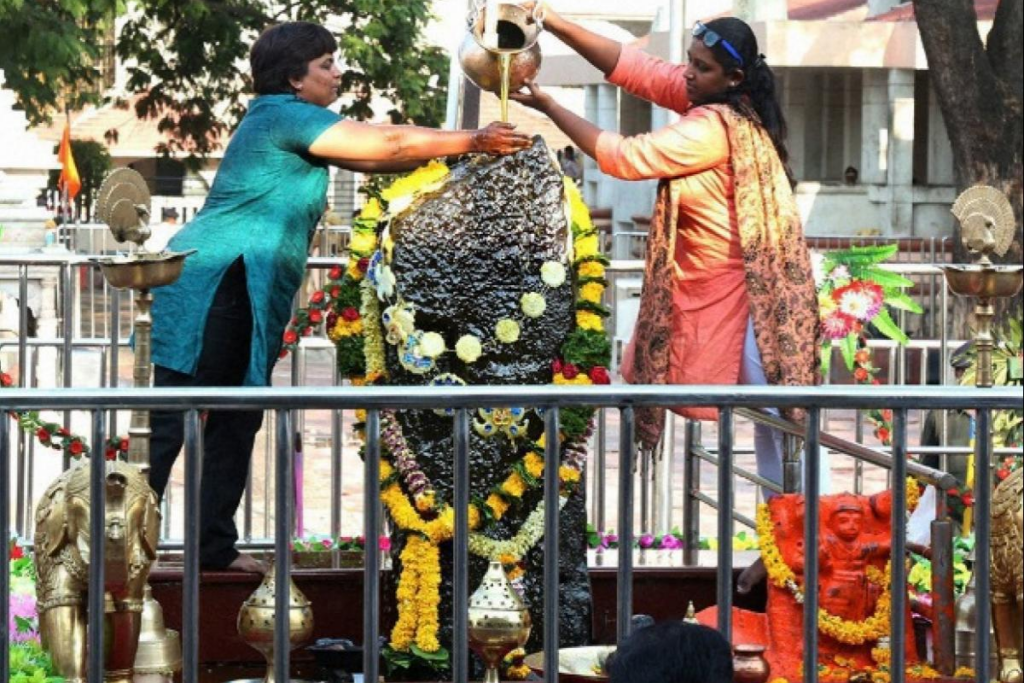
x=1005, y=50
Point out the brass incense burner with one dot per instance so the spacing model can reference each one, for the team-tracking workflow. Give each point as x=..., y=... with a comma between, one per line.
x=498, y=620
x=256, y=619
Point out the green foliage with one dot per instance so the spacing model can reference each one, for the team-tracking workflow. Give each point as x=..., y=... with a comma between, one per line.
x=575, y=421
x=189, y=59
x=1007, y=370
x=31, y=664
x=351, y=360
x=415, y=662
x=50, y=52
x=587, y=348
x=93, y=163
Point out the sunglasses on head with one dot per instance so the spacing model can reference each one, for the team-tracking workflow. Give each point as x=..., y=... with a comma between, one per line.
x=710, y=38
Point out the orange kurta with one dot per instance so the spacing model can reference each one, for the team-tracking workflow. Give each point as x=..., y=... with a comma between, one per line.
x=710, y=306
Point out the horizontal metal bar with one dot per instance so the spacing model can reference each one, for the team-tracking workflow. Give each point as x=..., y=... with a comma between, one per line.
x=711, y=502
x=703, y=454
x=546, y=396
x=929, y=475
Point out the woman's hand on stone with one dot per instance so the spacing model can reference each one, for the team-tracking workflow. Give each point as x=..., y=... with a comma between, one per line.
x=500, y=138
x=533, y=97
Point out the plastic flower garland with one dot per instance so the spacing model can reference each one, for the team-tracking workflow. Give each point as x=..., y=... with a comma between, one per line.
x=854, y=292
x=53, y=435
x=364, y=311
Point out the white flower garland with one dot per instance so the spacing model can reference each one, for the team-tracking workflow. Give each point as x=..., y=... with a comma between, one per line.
x=516, y=547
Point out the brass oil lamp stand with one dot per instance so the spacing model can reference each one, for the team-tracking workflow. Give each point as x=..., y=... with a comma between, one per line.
x=124, y=205
x=987, y=227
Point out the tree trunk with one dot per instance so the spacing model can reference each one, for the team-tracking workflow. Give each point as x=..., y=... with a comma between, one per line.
x=980, y=90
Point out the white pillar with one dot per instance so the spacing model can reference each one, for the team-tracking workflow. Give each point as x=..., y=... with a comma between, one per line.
x=876, y=7
x=607, y=119
x=901, y=152
x=761, y=10
x=47, y=328
x=874, y=161
x=590, y=172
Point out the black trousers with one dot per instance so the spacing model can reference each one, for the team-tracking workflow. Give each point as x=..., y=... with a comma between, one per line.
x=228, y=436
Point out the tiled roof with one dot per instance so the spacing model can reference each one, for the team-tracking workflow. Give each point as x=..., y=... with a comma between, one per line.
x=818, y=10
x=986, y=10
x=124, y=134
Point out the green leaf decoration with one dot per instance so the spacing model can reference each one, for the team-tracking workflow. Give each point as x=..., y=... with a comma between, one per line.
x=826, y=357
x=886, y=278
x=885, y=324
x=902, y=302
x=848, y=345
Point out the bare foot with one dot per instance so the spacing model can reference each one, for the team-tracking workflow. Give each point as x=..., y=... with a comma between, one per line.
x=247, y=563
x=751, y=577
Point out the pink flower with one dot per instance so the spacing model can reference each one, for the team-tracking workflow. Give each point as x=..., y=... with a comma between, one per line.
x=646, y=541
x=837, y=325
x=23, y=606
x=670, y=542
x=384, y=544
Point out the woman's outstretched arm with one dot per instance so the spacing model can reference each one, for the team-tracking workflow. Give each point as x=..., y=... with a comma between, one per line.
x=383, y=148
x=602, y=52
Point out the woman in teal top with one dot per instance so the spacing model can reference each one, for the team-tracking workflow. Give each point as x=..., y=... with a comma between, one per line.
x=222, y=322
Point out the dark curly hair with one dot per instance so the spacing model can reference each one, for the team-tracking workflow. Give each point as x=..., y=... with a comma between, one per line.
x=755, y=97
x=672, y=652
x=284, y=51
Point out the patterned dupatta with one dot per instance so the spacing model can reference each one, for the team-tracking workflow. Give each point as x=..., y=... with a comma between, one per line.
x=780, y=283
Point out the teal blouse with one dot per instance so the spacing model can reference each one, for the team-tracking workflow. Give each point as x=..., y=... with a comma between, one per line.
x=264, y=205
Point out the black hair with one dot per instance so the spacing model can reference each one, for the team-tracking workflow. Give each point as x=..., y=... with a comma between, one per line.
x=755, y=97
x=284, y=51
x=672, y=652
x=570, y=152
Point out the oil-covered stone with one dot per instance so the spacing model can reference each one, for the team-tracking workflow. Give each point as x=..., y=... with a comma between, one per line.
x=464, y=257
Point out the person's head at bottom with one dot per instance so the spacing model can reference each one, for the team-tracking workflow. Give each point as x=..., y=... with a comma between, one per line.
x=672, y=652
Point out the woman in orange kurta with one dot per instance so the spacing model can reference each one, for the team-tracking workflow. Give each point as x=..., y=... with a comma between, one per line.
x=728, y=291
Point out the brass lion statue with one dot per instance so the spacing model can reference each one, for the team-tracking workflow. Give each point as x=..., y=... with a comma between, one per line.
x=1008, y=575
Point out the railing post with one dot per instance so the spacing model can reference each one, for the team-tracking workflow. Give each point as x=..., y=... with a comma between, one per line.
x=283, y=527
x=812, y=484
x=944, y=623
x=460, y=549
x=982, y=541
x=600, y=498
x=371, y=555
x=625, y=571
x=691, y=486
x=898, y=642
x=5, y=562
x=190, y=597
x=97, y=502
x=725, y=525
x=551, y=556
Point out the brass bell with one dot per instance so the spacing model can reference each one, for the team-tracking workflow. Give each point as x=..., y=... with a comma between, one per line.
x=498, y=620
x=159, y=653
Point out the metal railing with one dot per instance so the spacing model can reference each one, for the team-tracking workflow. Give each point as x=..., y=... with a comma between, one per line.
x=463, y=399
x=94, y=317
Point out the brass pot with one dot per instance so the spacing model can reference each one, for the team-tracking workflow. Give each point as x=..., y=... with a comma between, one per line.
x=481, y=63
x=256, y=619
x=498, y=620
x=749, y=664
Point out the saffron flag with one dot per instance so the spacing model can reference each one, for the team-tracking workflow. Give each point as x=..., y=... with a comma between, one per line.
x=69, y=181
